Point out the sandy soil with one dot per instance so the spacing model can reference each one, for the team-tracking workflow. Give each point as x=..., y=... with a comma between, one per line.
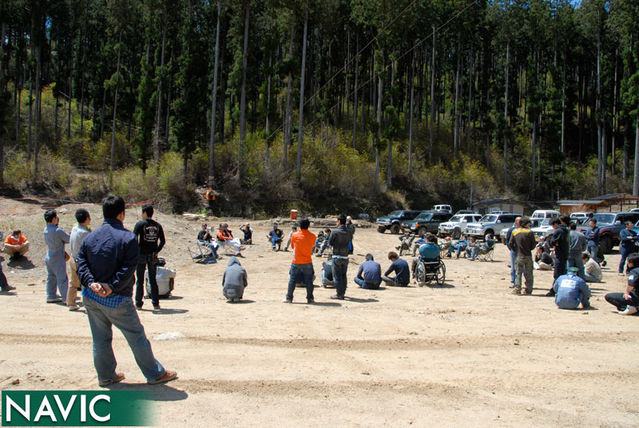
x=467, y=353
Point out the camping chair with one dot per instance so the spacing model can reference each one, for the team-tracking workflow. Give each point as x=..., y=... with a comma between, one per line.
x=200, y=253
x=485, y=253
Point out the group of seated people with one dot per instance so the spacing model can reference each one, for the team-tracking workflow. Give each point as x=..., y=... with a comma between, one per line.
x=224, y=238
x=544, y=260
x=469, y=247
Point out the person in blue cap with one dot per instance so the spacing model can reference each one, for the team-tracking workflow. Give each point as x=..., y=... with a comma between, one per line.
x=571, y=290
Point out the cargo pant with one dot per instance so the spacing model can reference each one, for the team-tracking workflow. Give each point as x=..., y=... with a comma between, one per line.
x=524, y=266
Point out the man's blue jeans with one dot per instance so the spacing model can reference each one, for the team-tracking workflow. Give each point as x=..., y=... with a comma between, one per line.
x=305, y=271
x=593, y=250
x=340, y=266
x=624, y=255
x=366, y=285
x=125, y=318
x=575, y=260
x=513, y=264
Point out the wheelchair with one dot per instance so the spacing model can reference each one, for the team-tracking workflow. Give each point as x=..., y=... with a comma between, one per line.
x=427, y=271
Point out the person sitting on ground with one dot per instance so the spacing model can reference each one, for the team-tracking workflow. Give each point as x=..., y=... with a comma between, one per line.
x=428, y=252
x=290, y=234
x=571, y=290
x=543, y=259
x=369, y=275
x=204, y=236
x=16, y=245
x=325, y=243
x=275, y=237
x=592, y=270
x=628, y=302
x=234, y=281
x=248, y=234
x=318, y=242
x=472, y=248
x=458, y=246
x=401, y=269
x=225, y=238
x=327, y=273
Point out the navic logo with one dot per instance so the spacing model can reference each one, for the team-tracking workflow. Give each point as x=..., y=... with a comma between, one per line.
x=73, y=408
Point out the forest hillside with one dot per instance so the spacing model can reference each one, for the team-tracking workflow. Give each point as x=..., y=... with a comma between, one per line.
x=358, y=105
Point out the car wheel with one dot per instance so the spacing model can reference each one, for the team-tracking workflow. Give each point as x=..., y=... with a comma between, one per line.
x=606, y=244
x=456, y=233
x=395, y=229
x=381, y=229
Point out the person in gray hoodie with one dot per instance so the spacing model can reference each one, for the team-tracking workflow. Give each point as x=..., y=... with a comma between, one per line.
x=234, y=281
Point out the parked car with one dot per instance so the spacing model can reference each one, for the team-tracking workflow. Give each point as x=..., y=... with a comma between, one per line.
x=579, y=217
x=534, y=222
x=393, y=221
x=491, y=224
x=427, y=221
x=544, y=214
x=443, y=208
x=610, y=224
x=543, y=228
x=456, y=225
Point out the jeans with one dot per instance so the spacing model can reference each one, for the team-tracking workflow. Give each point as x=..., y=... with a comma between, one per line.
x=366, y=285
x=393, y=281
x=590, y=278
x=146, y=261
x=276, y=241
x=56, y=277
x=126, y=319
x=575, y=260
x=340, y=266
x=624, y=255
x=472, y=252
x=619, y=301
x=524, y=265
x=560, y=269
x=307, y=272
x=513, y=263
x=593, y=250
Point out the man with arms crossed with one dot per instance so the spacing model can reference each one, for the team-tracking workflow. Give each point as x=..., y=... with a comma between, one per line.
x=106, y=264
x=302, y=243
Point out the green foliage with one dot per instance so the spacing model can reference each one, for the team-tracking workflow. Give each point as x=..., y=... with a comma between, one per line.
x=53, y=175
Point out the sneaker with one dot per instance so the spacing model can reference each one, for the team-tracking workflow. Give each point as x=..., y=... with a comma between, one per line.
x=630, y=310
x=337, y=297
x=512, y=285
x=138, y=307
x=551, y=293
x=287, y=301
x=310, y=301
x=74, y=308
x=119, y=377
x=168, y=376
x=156, y=307
x=54, y=300
x=8, y=288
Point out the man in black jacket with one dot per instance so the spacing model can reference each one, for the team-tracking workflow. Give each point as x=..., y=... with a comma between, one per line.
x=149, y=232
x=560, y=241
x=339, y=240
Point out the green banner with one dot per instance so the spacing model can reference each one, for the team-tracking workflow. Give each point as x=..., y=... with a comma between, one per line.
x=76, y=408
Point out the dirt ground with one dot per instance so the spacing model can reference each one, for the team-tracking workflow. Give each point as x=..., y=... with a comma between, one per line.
x=466, y=353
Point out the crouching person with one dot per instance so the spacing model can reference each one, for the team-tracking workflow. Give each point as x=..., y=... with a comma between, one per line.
x=571, y=290
x=234, y=281
x=628, y=302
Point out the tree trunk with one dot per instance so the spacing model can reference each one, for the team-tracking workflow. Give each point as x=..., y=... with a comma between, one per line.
x=533, y=160
x=30, y=118
x=56, y=110
x=410, y=114
x=470, y=103
x=70, y=99
x=563, y=123
x=456, y=136
x=115, y=104
x=300, y=130
x=614, y=116
x=380, y=86
x=288, y=117
x=240, y=148
x=600, y=160
x=36, y=125
x=267, y=131
x=158, y=109
x=211, y=178
x=432, y=101
x=102, y=113
x=635, y=183
x=506, y=127
x=355, y=89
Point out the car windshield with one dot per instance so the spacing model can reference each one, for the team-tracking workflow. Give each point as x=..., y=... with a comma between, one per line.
x=488, y=219
x=604, y=218
x=456, y=218
x=424, y=216
x=395, y=213
x=545, y=222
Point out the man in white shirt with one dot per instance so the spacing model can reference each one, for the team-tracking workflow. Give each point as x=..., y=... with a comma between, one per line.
x=592, y=269
x=78, y=233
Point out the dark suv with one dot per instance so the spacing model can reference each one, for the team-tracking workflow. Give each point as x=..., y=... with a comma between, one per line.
x=427, y=221
x=394, y=220
x=610, y=224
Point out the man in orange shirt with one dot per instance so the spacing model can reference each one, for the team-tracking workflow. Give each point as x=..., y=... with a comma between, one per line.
x=16, y=244
x=302, y=243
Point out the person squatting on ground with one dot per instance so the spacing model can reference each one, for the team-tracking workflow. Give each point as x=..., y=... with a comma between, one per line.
x=204, y=236
x=369, y=275
x=627, y=244
x=275, y=237
x=577, y=245
x=107, y=261
x=592, y=270
x=513, y=254
x=339, y=239
x=149, y=232
x=290, y=234
x=560, y=241
x=302, y=243
x=78, y=233
x=225, y=238
x=628, y=302
x=247, y=230
x=55, y=260
x=401, y=269
x=16, y=245
x=571, y=290
x=522, y=241
x=234, y=281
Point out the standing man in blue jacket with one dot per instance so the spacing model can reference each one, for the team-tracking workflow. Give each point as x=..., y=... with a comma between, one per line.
x=627, y=244
x=55, y=238
x=592, y=235
x=107, y=261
